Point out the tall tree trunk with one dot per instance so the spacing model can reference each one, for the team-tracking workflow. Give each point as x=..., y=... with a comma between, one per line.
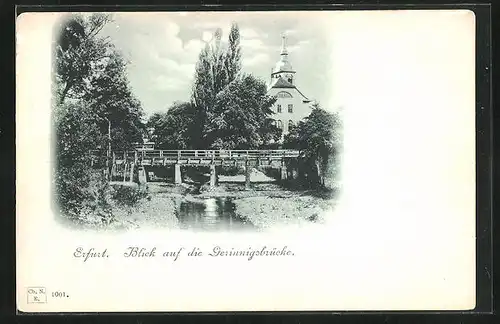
x=320, y=171
x=65, y=91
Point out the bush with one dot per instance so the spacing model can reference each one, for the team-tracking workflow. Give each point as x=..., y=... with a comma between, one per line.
x=128, y=195
x=272, y=172
x=231, y=170
x=81, y=192
x=196, y=174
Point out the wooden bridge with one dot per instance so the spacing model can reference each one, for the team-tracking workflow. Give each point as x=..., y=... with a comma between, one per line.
x=128, y=161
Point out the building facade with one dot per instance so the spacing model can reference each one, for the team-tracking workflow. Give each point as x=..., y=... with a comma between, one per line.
x=291, y=105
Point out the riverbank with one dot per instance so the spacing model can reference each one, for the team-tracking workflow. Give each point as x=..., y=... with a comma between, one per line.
x=132, y=207
x=156, y=211
x=265, y=204
x=266, y=212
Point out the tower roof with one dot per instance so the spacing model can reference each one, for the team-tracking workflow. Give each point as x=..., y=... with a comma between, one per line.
x=281, y=83
x=283, y=65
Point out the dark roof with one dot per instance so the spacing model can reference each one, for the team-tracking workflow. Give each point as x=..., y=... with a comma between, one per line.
x=283, y=71
x=282, y=83
x=307, y=99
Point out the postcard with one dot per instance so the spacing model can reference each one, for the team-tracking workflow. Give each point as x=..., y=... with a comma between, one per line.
x=245, y=161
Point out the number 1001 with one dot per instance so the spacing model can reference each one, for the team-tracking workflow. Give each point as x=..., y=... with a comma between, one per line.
x=58, y=294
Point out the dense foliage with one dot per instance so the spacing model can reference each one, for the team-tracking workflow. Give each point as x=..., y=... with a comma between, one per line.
x=91, y=93
x=80, y=190
x=89, y=70
x=318, y=137
x=241, y=116
x=176, y=129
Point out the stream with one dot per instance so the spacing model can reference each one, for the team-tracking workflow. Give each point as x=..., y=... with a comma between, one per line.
x=210, y=214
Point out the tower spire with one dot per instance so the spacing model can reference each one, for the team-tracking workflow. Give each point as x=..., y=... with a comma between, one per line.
x=283, y=68
x=283, y=45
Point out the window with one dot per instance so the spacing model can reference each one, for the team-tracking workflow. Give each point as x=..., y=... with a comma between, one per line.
x=283, y=94
x=280, y=124
x=290, y=108
x=279, y=108
x=290, y=124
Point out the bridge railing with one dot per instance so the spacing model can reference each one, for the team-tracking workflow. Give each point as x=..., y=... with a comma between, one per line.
x=204, y=154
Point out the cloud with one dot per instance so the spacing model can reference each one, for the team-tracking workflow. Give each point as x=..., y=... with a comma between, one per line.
x=206, y=36
x=171, y=39
x=289, y=32
x=164, y=47
x=260, y=58
x=172, y=28
x=203, y=24
x=254, y=44
x=168, y=83
x=208, y=28
x=181, y=71
x=301, y=44
x=165, y=52
x=193, y=47
x=249, y=33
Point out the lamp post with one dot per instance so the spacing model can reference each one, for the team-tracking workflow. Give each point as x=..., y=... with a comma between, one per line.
x=108, y=153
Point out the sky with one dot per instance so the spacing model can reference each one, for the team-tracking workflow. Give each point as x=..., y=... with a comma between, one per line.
x=163, y=47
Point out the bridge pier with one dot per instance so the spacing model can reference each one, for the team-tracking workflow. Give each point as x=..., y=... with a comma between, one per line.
x=178, y=175
x=113, y=168
x=132, y=166
x=125, y=172
x=284, y=171
x=142, y=176
x=213, y=175
x=247, y=175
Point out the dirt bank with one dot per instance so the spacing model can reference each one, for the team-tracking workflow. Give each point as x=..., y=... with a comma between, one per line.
x=157, y=211
x=265, y=204
x=265, y=212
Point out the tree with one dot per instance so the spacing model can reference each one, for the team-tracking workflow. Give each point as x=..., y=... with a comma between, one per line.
x=233, y=55
x=92, y=73
x=241, y=116
x=80, y=53
x=217, y=67
x=203, y=95
x=318, y=137
x=175, y=129
x=77, y=186
x=219, y=77
x=232, y=110
x=89, y=68
x=110, y=96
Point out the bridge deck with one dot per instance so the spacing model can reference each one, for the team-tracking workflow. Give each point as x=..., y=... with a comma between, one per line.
x=164, y=157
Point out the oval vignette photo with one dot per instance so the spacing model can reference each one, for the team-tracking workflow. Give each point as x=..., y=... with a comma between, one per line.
x=242, y=157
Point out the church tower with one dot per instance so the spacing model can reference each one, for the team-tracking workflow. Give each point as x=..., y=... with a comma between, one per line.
x=283, y=68
x=291, y=105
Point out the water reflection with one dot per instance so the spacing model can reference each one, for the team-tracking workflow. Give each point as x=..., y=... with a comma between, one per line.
x=210, y=214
